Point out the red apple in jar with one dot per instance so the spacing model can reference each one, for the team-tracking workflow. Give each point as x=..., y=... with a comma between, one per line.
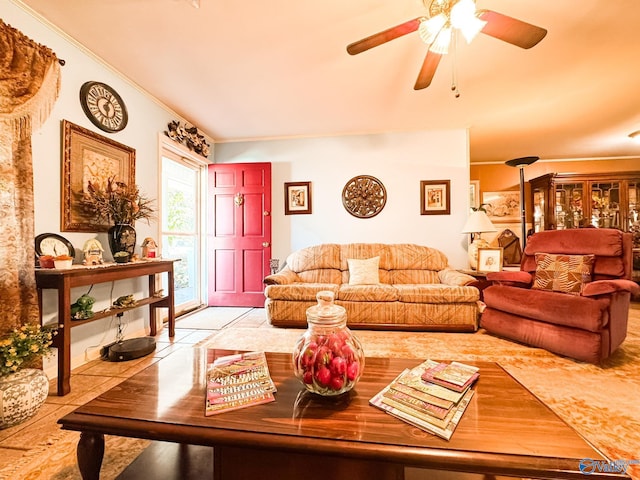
x=328, y=359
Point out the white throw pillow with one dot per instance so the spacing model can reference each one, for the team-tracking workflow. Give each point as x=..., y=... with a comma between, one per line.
x=364, y=272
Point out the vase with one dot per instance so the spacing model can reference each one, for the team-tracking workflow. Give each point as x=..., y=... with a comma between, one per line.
x=21, y=395
x=122, y=238
x=328, y=358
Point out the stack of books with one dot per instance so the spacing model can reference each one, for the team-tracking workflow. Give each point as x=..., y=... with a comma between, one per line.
x=238, y=381
x=431, y=396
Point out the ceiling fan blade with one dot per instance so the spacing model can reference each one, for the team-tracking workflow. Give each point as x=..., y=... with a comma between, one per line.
x=384, y=37
x=511, y=30
x=428, y=70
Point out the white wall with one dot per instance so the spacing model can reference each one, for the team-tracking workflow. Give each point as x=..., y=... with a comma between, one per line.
x=146, y=119
x=398, y=160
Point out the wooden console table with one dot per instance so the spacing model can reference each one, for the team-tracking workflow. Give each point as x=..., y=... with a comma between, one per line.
x=77, y=276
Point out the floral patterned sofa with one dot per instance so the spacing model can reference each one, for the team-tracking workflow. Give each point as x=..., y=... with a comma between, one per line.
x=382, y=286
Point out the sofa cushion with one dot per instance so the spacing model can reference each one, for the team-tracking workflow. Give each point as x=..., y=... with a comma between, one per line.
x=364, y=272
x=367, y=293
x=605, y=244
x=406, y=256
x=324, y=256
x=321, y=275
x=298, y=291
x=587, y=313
x=437, y=293
x=399, y=277
x=562, y=273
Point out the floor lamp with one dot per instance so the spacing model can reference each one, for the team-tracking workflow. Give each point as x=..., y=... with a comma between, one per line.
x=521, y=163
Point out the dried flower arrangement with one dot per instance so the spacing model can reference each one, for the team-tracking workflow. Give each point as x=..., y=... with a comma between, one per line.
x=118, y=203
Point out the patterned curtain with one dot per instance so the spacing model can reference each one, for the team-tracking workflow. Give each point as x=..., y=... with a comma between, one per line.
x=29, y=86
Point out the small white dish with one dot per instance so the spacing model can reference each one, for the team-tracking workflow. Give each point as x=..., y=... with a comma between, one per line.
x=62, y=264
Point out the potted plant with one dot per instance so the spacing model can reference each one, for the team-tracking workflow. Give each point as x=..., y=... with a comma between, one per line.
x=23, y=390
x=121, y=205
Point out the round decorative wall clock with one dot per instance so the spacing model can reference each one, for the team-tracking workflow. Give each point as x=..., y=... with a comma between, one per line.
x=53, y=244
x=364, y=196
x=104, y=107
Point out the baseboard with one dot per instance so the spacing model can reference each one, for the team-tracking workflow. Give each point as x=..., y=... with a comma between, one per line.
x=89, y=355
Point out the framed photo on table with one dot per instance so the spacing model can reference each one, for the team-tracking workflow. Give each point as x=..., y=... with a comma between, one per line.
x=435, y=197
x=489, y=260
x=297, y=198
x=89, y=157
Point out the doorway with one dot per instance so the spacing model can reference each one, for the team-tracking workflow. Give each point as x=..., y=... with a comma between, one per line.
x=238, y=233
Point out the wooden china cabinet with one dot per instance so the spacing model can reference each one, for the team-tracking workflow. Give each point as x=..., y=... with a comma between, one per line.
x=602, y=200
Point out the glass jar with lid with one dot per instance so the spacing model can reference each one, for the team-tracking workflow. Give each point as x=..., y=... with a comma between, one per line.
x=328, y=358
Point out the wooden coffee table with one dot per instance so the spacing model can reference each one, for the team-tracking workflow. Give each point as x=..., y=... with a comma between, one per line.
x=506, y=430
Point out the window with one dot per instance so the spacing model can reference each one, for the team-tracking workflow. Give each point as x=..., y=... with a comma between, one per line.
x=182, y=189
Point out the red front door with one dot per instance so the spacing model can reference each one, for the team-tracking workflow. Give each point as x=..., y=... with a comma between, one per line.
x=238, y=233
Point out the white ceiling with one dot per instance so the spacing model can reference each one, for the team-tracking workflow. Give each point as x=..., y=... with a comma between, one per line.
x=242, y=70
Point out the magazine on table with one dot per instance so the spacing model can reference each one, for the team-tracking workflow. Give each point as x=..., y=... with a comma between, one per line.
x=435, y=408
x=454, y=376
x=238, y=381
x=413, y=379
x=416, y=420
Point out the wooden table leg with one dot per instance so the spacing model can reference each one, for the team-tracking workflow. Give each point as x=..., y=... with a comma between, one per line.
x=153, y=328
x=172, y=307
x=90, y=453
x=63, y=339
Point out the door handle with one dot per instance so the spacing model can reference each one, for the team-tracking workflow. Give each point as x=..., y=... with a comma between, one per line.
x=266, y=244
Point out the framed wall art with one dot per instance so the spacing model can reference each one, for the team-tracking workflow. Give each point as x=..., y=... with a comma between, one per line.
x=297, y=198
x=89, y=157
x=502, y=207
x=489, y=259
x=435, y=197
x=474, y=194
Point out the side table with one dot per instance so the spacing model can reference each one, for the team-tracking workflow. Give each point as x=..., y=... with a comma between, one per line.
x=77, y=276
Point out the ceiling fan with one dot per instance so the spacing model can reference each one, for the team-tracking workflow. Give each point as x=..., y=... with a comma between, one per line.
x=437, y=29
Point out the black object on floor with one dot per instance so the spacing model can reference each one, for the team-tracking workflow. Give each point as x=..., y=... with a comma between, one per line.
x=129, y=349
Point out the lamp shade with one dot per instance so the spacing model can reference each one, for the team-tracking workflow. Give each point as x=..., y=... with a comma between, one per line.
x=478, y=222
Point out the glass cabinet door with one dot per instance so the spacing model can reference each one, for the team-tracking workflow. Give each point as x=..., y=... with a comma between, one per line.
x=569, y=205
x=539, y=210
x=633, y=222
x=605, y=204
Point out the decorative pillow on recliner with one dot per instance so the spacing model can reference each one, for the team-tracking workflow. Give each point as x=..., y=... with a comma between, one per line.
x=563, y=273
x=364, y=272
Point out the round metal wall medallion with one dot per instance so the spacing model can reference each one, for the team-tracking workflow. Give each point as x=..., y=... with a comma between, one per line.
x=364, y=196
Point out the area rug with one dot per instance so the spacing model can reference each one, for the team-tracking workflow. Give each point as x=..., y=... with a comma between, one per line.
x=600, y=402
x=55, y=459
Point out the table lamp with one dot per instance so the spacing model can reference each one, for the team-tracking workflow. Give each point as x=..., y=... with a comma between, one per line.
x=477, y=223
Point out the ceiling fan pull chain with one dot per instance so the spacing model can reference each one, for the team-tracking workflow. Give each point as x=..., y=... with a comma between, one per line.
x=454, y=66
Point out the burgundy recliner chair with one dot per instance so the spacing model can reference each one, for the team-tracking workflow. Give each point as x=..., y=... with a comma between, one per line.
x=587, y=325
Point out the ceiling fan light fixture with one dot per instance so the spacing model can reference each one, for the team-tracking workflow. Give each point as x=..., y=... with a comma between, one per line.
x=429, y=29
x=441, y=44
x=472, y=28
x=464, y=18
x=461, y=12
